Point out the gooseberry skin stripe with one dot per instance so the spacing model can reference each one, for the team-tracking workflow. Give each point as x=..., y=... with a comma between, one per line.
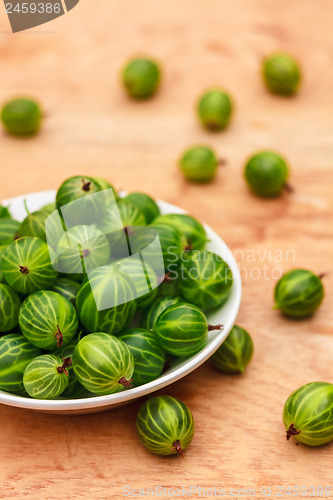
x=310, y=410
x=161, y=421
x=150, y=317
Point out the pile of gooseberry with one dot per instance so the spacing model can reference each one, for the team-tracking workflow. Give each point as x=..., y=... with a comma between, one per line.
x=60, y=339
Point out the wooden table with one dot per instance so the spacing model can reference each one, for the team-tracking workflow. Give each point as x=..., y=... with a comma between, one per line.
x=72, y=66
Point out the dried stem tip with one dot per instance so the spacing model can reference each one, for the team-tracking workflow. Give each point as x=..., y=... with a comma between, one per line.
x=292, y=431
x=126, y=383
x=58, y=335
x=215, y=327
x=66, y=363
x=86, y=185
x=23, y=270
x=177, y=448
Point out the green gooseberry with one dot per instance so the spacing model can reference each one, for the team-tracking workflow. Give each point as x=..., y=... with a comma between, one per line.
x=308, y=414
x=267, y=173
x=103, y=364
x=282, y=74
x=34, y=224
x=169, y=287
x=46, y=377
x=74, y=389
x=26, y=265
x=205, y=279
x=117, y=223
x=165, y=425
x=8, y=230
x=141, y=78
x=144, y=279
x=15, y=355
x=4, y=212
x=199, y=164
x=9, y=308
x=67, y=288
x=106, y=300
x=145, y=204
x=235, y=353
x=299, y=293
x=189, y=226
x=82, y=248
x=22, y=117
x=89, y=210
x=215, y=109
x=2, y=249
x=105, y=185
x=49, y=208
x=48, y=320
x=151, y=315
x=173, y=243
x=183, y=329
x=149, y=355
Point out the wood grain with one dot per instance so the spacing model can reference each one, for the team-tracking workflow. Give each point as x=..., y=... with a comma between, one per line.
x=72, y=66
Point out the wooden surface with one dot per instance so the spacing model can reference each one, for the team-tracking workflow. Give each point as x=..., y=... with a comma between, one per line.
x=72, y=66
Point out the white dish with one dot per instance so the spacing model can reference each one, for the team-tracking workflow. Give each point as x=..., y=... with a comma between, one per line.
x=226, y=315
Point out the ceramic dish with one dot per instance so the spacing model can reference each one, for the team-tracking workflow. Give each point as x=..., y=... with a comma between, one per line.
x=225, y=315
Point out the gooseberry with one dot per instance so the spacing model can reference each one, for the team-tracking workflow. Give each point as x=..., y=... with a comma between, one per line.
x=205, y=279
x=9, y=308
x=183, y=329
x=235, y=353
x=8, y=230
x=165, y=425
x=145, y=204
x=48, y=320
x=46, y=377
x=215, y=109
x=106, y=300
x=151, y=315
x=299, y=293
x=103, y=364
x=149, y=356
x=282, y=74
x=189, y=226
x=21, y=117
x=15, y=355
x=26, y=265
x=267, y=173
x=141, y=78
x=199, y=164
x=308, y=414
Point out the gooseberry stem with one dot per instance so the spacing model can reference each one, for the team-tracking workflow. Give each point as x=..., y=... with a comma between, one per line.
x=26, y=207
x=177, y=447
x=322, y=275
x=288, y=188
x=215, y=327
x=58, y=335
x=167, y=278
x=222, y=162
x=189, y=246
x=86, y=185
x=63, y=368
x=292, y=431
x=126, y=383
x=23, y=270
